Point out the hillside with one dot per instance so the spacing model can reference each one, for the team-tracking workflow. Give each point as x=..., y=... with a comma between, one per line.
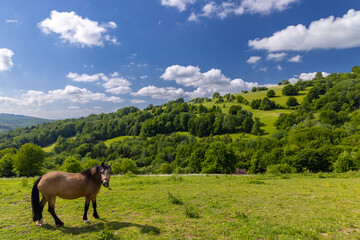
x=9, y=122
x=307, y=126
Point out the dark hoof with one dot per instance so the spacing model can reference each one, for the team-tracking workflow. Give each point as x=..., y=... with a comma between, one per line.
x=59, y=224
x=96, y=216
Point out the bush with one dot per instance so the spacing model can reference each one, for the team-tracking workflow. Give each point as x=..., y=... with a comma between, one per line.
x=128, y=165
x=165, y=169
x=290, y=90
x=71, y=165
x=270, y=93
x=280, y=168
x=6, y=166
x=345, y=162
x=29, y=160
x=292, y=102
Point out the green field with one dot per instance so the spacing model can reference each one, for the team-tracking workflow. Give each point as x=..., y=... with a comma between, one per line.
x=314, y=206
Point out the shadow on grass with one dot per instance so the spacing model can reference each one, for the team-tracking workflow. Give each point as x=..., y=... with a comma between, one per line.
x=97, y=227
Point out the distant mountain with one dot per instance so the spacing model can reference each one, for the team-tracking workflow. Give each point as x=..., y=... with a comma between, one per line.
x=10, y=122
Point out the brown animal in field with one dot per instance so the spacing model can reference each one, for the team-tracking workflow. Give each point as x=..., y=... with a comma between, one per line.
x=68, y=186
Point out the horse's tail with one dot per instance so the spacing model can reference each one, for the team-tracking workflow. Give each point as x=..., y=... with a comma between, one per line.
x=35, y=202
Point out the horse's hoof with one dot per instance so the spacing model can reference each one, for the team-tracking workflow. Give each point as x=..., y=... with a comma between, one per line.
x=87, y=221
x=96, y=216
x=40, y=222
x=59, y=224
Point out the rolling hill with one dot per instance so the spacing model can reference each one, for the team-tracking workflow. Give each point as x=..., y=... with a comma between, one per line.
x=9, y=122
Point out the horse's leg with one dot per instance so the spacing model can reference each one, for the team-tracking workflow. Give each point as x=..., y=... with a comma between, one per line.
x=42, y=205
x=51, y=210
x=87, y=203
x=96, y=215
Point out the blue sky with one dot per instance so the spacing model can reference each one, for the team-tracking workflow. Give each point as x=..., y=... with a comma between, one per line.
x=63, y=59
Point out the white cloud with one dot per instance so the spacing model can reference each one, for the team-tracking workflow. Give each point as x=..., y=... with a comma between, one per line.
x=73, y=107
x=180, y=4
x=228, y=8
x=295, y=59
x=253, y=59
x=144, y=76
x=160, y=93
x=278, y=67
x=326, y=33
x=113, y=83
x=6, y=59
x=84, y=77
x=137, y=101
x=266, y=6
x=12, y=21
x=77, y=30
x=205, y=83
x=117, y=85
x=306, y=76
x=276, y=56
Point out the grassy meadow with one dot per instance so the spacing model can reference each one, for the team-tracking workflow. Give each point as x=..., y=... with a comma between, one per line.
x=307, y=206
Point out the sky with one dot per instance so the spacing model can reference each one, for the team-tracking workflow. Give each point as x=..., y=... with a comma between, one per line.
x=67, y=59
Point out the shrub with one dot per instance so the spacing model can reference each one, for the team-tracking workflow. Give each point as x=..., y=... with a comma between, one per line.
x=290, y=90
x=72, y=165
x=280, y=168
x=345, y=162
x=270, y=93
x=128, y=165
x=29, y=160
x=292, y=102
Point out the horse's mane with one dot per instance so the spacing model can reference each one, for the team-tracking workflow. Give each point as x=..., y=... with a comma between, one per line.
x=88, y=172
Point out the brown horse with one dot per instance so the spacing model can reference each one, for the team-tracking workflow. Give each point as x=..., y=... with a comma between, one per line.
x=68, y=186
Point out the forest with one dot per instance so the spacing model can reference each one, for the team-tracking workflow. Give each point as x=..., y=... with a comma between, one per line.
x=320, y=134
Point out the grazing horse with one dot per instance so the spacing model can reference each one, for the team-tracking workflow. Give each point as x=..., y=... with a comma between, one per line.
x=68, y=186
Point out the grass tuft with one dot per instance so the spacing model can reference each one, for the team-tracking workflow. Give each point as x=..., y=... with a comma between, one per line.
x=175, y=200
x=191, y=212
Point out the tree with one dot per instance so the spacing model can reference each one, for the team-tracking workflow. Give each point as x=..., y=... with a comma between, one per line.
x=196, y=158
x=292, y=102
x=216, y=95
x=253, y=89
x=29, y=160
x=345, y=162
x=267, y=104
x=255, y=104
x=71, y=165
x=256, y=127
x=128, y=165
x=219, y=158
x=270, y=93
x=290, y=90
x=356, y=69
x=6, y=166
x=248, y=124
x=234, y=109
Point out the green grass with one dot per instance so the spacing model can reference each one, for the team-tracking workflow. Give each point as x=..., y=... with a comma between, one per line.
x=116, y=139
x=318, y=206
x=267, y=118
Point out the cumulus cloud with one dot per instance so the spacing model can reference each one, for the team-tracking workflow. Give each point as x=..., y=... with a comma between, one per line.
x=6, y=59
x=68, y=94
x=228, y=8
x=77, y=30
x=144, y=76
x=326, y=33
x=295, y=59
x=160, y=93
x=113, y=83
x=179, y=4
x=84, y=77
x=137, y=101
x=206, y=83
x=306, y=76
x=276, y=56
x=253, y=59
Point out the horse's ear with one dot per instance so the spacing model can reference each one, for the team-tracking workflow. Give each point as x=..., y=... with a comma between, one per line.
x=102, y=164
x=110, y=164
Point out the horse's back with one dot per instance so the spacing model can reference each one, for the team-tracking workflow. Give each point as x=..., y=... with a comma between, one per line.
x=63, y=184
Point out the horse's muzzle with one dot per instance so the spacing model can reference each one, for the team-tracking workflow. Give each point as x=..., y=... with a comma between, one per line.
x=106, y=184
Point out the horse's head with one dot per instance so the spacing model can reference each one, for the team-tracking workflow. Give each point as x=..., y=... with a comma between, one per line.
x=105, y=172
